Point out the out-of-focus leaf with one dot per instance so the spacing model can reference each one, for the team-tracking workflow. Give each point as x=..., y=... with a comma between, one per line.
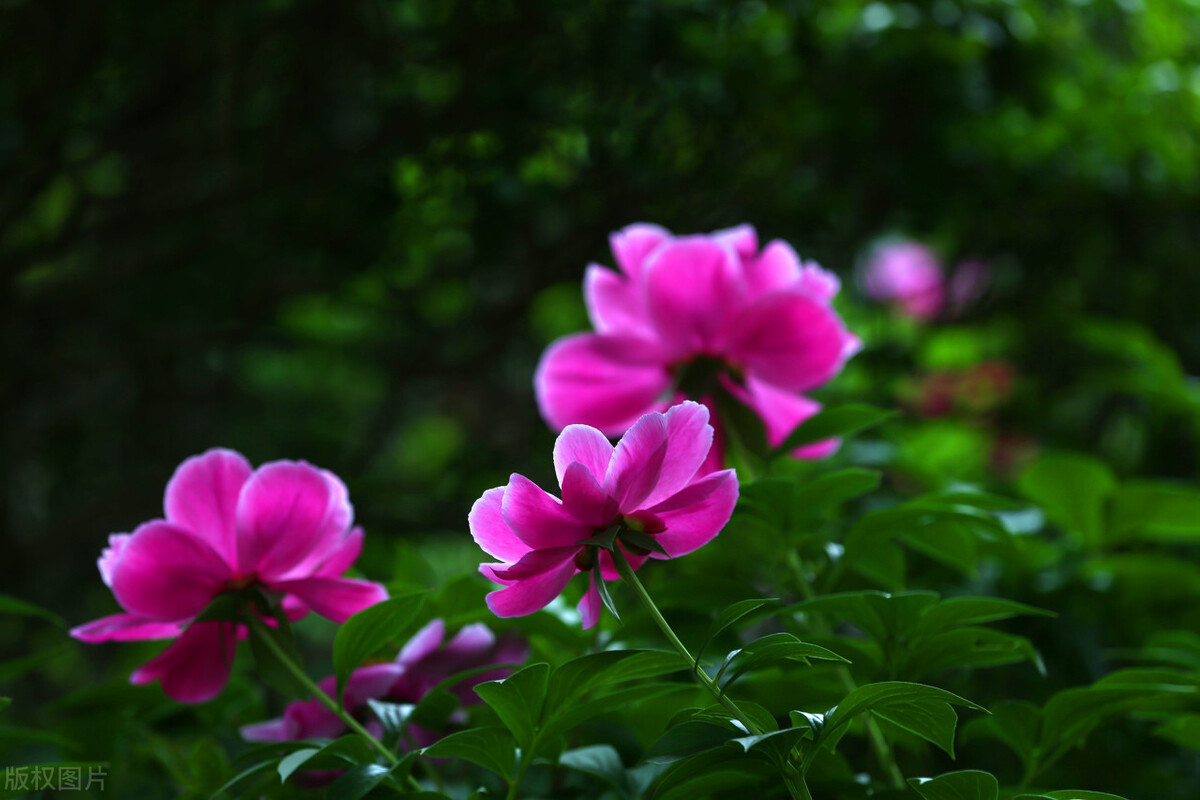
x=16, y=606
x=356, y=782
x=833, y=422
x=601, y=761
x=831, y=490
x=1182, y=729
x=969, y=647
x=730, y=615
x=1159, y=512
x=1015, y=723
x=1073, y=489
x=960, y=611
x=1071, y=714
x=1070, y=794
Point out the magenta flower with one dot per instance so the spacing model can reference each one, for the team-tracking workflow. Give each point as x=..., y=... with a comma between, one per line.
x=908, y=275
x=686, y=314
x=649, y=482
x=422, y=664
x=284, y=527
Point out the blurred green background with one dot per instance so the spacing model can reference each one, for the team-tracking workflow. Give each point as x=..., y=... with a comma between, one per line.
x=344, y=232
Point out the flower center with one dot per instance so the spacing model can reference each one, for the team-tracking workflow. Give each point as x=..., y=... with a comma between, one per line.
x=700, y=376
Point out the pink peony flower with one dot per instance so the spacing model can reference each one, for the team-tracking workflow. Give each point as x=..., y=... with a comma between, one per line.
x=422, y=664
x=649, y=482
x=907, y=274
x=284, y=527
x=687, y=313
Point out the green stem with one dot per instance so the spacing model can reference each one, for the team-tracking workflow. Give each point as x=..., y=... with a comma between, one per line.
x=793, y=779
x=326, y=700
x=883, y=752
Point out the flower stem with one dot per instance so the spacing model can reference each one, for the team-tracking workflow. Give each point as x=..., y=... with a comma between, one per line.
x=308, y=683
x=792, y=777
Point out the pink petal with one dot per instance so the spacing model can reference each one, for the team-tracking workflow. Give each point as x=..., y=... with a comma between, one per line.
x=538, y=518
x=633, y=243
x=584, y=445
x=590, y=604
x=166, y=573
x=781, y=412
x=695, y=516
x=196, y=667
x=532, y=594
x=283, y=514
x=600, y=380
x=341, y=557
x=202, y=497
x=535, y=562
x=333, y=536
x=423, y=643
x=791, y=340
x=689, y=439
x=371, y=683
x=335, y=598
x=692, y=288
x=608, y=570
x=742, y=238
x=777, y=268
x=584, y=500
x=637, y=462
x=818, y=282
x=108, y=558
x=274, y=730
x=489, y=529
x=614, y=304
x=125, y=628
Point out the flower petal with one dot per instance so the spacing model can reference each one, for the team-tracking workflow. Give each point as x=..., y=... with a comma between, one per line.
x=371, y=683
x=535, y=562
x=125, y=628
x=422, y=644
x=742, y=238
x=608, y=570
x=335, y=598
x=341, y=557
x=538, y=518
x=590, y=604
x=637, y=462
x=600, y=380
x=692, y=287
x=584, y=445
x=790, y=339
x=585, y=500
x=108, y=558
x=781, y=412
x=202, y=496
x=697, y=514
x=778, y=267
x=532, y=594
x=166, y=573
x=689, y=438
x=490, y=531
x=283, y=514
x=614, y=304
x=633, y=243
x=195, y=668
x=331, y=539
x=819, y=282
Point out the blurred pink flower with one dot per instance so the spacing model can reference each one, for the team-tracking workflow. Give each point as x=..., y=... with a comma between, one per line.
x=708, y=306
x=908, y=275
x=649, y=482
x=422, y=663
x=284, y=527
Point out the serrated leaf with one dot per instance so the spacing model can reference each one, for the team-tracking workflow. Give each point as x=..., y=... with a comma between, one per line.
x=518, y=699
x=839, y=421
x=771, y=649
x=968, y=784
x=601, y=761
x=926, y=711
x=492, y=748
x=368, y=631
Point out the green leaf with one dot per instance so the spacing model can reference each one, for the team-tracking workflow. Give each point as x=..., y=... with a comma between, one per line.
x=771, y=649
x=731, y=614
x=968, y=784
x=5, y=702
x=492, y=748
x=1070, y=715
x=777, y=743
x=638, y=539
x=833, y=422
x=270, y=667
x=602, y=589
x=831, y=490
x=601, y=761
x=356, y=782
x=961, y=611
x=746, y=438
x=1015, y=723
x=1182, y=729
x=368, y=631
x=923, y=710
x=518, y=699
x=880, y=615
x=16, y=606
x=1072, y=489
x=1159, y=512
x=1070, y=794
x=349, y=749
x=710, y=773
x=579, y=675
x=968, y=647
x=688, y=738
x=565, y=718
x=393, y=716
x=293, y=761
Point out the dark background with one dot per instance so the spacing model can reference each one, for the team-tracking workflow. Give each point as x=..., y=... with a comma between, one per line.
x=344, y=232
